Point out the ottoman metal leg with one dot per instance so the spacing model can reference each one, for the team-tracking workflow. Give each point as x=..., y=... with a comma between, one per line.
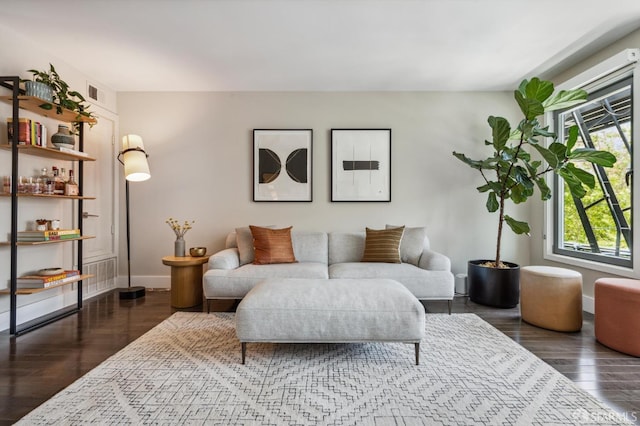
x=417, y=353
x=243, y=346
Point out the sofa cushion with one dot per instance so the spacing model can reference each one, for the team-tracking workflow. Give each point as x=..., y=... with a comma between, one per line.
x=272, y=245
x=346, y=247
x=235, y=283
x=310, y=246
x=412, y=244
x=382, y=245
x=423, y=284
x=244, y=242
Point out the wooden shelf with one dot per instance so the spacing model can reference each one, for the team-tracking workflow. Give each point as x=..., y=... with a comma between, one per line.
x=40, y=151
x=33, y=104
x=38, y=290
x=39, y=243
x=64, y=197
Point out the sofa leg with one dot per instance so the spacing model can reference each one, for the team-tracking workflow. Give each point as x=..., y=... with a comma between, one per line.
x=449, y=302
x=208, y=306
x=417, y=353
x=243, y=348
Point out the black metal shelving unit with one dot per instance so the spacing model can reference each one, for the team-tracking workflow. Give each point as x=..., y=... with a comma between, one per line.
x=19, y=101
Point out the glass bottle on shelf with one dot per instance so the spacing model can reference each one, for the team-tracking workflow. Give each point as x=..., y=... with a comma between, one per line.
x=71, y=187
x=58, y=181
x=40, y=182
x=46, y=182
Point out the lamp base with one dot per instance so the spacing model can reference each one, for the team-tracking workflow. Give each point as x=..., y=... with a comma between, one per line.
x=132, y=292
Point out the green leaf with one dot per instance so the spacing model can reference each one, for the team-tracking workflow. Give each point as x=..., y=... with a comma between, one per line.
x=517, y=226
x=524, y=156
x=492, y=202
x=543, y=131
x=523, y=86
x=487, y=164
x=522, y=177
x=601, y=158
x=582, y=175
x=501, y=131
x=564, y=99
x=515, y=135
x=531, y=108
x=46, y=106
x=538, y=89
x=545, y=191
x=572, y=137
x=548, y=156
x=560, y=150
x=574, y=184
x=491, y=185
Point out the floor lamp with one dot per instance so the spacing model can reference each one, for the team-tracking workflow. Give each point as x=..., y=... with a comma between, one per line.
x=136, y=169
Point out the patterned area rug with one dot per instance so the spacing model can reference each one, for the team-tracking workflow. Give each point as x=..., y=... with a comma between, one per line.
x=187, y=370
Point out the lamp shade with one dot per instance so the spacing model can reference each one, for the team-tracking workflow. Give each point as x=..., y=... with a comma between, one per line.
x=134, y=158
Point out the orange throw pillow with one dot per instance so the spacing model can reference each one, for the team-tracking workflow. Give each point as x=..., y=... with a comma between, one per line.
x=383, y=245
x=272, y=245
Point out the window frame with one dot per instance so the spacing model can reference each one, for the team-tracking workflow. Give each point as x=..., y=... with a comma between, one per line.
x=598, y=77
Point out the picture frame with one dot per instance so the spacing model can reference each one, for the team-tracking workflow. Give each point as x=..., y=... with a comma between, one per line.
x=282, y=165
x=361, y=165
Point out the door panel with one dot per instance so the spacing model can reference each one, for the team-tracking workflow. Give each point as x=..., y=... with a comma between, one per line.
x=98, y=182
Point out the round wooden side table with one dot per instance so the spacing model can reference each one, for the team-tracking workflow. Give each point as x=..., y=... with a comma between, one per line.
x=186, y=280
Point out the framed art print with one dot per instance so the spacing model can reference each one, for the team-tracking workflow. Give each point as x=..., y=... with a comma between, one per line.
x=282, y=164
x=361, y=165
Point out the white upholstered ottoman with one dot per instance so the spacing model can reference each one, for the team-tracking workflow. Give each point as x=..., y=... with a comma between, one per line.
x=330, y=311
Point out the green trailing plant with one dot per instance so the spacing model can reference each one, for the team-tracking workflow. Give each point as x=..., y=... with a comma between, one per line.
x=510, y=172
x=63, y=97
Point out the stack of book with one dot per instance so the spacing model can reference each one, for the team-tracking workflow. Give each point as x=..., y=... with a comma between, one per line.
x=72, y=151
x=59, y=234
x=44, y=281
x=29, y=132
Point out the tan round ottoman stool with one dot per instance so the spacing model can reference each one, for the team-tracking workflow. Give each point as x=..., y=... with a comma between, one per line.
x=617, y=314
x=551, y=297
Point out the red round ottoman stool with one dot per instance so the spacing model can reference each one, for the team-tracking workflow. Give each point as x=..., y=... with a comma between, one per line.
x=617, y=314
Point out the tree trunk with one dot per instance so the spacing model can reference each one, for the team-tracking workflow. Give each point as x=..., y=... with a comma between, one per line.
x=500, y=223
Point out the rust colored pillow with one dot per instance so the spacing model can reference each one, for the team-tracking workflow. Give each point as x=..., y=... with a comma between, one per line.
x=272, y=245
x=383, y=245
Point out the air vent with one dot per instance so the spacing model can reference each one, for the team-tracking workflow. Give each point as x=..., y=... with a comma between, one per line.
x=96, y=94
x=93, y=92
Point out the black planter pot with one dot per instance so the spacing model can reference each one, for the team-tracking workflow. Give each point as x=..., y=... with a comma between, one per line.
x=495, y=287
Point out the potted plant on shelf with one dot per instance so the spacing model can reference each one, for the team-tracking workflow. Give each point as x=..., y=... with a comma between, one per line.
x=61, y=97
x=511, y=174
x=40, y=85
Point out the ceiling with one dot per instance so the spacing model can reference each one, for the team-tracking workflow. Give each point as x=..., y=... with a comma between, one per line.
x=319, y=45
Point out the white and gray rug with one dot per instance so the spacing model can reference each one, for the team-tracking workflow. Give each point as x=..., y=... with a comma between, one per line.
x=187, y=371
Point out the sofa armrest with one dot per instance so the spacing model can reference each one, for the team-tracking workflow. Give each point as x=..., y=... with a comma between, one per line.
x=433, y=261
x=225, y=259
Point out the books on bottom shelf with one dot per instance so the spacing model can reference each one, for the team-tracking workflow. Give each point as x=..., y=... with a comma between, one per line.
x=58, y=234
x=44, y=281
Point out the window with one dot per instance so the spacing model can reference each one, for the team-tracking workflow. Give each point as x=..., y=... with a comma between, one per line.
x=598, y=226
x=596, y=232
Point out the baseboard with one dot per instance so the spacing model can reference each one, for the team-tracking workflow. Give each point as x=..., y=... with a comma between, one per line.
x=588, y=304
x=147, y=281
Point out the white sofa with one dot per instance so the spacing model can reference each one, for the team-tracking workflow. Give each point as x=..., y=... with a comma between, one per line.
x=425, y=273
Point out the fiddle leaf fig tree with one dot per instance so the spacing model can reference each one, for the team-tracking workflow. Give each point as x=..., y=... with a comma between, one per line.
x=510, y=173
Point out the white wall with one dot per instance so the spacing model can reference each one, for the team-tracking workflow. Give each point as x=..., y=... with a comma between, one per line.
x=537, y=207
x=200, y=154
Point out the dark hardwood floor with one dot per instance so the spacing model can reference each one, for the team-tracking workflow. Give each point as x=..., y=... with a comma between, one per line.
x=35, y=366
